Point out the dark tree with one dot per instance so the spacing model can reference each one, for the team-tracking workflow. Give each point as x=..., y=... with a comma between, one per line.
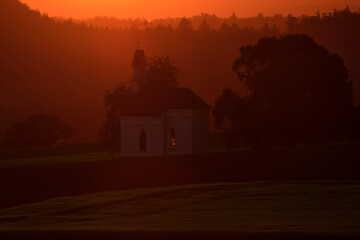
x=37, y=130
x=337, y=31
x=162, y=72
x=204, y=27
x=114, y=102
x=185, y=25
x=297, y=93
x=353, y=127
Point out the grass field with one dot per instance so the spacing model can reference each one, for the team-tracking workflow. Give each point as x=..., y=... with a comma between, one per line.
x=75, y=153
x=56, y=159
x=293, y=193
x=72, y=158
x=312, y=209
x=32, y=179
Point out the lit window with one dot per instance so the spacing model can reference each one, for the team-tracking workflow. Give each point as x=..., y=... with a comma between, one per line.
x=172, y=139
x=142, y=142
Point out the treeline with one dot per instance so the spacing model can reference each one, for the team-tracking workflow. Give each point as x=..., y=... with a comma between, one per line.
x=62, y=67
x=212, y=20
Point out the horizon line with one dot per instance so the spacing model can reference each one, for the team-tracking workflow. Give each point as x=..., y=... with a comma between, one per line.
x=353, y=8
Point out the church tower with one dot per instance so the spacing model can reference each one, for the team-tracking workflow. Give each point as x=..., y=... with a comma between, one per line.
x=139, y=65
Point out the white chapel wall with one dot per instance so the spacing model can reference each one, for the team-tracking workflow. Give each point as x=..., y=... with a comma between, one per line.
x=131, y=128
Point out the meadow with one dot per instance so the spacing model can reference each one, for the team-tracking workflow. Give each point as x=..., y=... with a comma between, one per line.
x=79, y=192
x=75, y=152
x=257, y=210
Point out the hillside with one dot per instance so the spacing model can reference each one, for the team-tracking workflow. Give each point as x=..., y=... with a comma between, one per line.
x=64, y=67
x=311, y=210
x=73, y=173
x=197, y=21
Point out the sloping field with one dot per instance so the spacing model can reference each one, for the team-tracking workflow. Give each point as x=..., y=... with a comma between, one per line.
x=311, y=209
x=35, y=179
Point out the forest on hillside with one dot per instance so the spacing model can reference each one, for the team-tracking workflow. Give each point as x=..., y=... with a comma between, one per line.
x=63, y=67
x=213, y=21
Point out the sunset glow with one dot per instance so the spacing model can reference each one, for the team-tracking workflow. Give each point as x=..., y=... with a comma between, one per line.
x=151, y=9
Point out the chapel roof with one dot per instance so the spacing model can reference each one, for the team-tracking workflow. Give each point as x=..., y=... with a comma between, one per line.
x=157, y=101
x=139, y=58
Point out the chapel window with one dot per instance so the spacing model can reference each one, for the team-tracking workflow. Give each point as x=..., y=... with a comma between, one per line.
x=142, y=141
x=172, y=139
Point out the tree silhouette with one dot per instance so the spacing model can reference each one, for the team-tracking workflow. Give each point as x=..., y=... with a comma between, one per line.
x=337, y=31
x=162, y=72
x=353, y=127
x=114, y=102
x=204, y=27
x=297, y=93
x=37, y=130
x=185, y=25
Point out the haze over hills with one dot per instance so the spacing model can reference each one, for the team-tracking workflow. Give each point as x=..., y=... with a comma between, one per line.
x=152, y=9
x=64, y=67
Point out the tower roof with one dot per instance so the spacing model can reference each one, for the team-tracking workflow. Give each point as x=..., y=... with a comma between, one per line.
x=139, y=59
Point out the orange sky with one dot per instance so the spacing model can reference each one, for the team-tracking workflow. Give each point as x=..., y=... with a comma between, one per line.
x=178, y=8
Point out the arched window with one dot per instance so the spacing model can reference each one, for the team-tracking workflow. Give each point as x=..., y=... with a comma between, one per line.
x=172, y=139
x=142, y=141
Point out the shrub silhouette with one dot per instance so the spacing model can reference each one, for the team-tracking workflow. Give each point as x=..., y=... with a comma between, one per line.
x=37, y=130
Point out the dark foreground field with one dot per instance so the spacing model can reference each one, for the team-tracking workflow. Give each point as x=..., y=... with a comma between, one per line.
x=260, y=210
x=26, y=180
x=296, y=193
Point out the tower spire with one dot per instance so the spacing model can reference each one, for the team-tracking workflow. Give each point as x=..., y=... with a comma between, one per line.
x=139, y=65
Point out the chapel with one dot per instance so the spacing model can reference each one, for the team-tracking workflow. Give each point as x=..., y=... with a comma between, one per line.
x=162, y=121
